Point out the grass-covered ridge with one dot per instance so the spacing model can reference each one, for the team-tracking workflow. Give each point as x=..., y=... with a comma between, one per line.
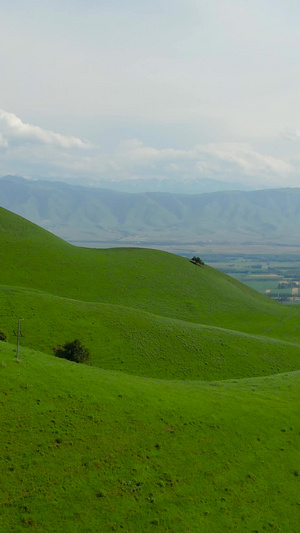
x=92, y=450
x=152, y=280
x=143, y=311
x=141, y=343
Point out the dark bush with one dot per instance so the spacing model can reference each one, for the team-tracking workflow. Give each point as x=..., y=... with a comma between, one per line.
x=73, y=351
x=3, y=336
x=197, y=260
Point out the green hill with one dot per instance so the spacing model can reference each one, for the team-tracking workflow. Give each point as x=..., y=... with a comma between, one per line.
x=186, y=418
x=142, y=343
x=83, y=449
x=143, y=311
x=151, y=280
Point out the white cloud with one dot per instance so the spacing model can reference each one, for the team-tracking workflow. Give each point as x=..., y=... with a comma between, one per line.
x=135, y=150
x=226, y=160
x=32, y=151
x=244, y=158
x=15, y=130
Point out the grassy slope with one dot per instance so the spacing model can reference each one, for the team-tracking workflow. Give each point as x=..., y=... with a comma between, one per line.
x=112, y=296
x=101, y=451
x=141, y=343
x=151, y=280
x=89, y=449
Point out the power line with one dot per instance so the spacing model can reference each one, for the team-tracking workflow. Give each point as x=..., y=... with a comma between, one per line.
x=18, y=335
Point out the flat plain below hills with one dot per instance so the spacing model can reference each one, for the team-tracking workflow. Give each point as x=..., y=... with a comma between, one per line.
x=198, y=432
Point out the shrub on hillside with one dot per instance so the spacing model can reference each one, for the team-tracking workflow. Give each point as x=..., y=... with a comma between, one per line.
x=197, y=260
x=73, y=351
x=3, y=336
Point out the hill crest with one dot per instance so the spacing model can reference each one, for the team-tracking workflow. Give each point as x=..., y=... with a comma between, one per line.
x=135, y=307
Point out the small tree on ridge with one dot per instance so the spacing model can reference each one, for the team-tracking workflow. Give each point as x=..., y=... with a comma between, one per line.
x=197, y=260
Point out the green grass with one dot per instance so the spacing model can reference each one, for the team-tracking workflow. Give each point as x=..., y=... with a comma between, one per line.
x=150, y=280
x=186, y=419
x=84, y=449
x=145, y=344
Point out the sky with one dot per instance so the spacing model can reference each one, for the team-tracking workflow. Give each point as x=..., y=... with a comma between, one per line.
x=162, y=89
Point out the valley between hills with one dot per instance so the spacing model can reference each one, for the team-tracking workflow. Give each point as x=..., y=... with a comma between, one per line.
x=186, y=417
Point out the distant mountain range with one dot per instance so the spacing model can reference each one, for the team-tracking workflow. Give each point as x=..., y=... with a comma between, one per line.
x=187, y=186
x=78, y=213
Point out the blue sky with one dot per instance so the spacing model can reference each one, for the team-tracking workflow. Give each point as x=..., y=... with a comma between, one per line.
x=185, y=89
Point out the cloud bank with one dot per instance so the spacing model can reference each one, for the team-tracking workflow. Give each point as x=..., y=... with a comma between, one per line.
x=31, y=151
x=227, y=161
x=13, y=130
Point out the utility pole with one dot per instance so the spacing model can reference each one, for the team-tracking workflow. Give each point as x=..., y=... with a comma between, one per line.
x=19, y=334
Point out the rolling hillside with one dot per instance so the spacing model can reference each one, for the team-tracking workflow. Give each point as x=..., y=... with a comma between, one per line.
x=186, y=418
x=142, y=311
x=83, y=449
x=90, y=214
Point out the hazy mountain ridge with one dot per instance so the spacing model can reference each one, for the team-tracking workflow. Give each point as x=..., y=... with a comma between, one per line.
x=140, y=185
x=84, y=213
